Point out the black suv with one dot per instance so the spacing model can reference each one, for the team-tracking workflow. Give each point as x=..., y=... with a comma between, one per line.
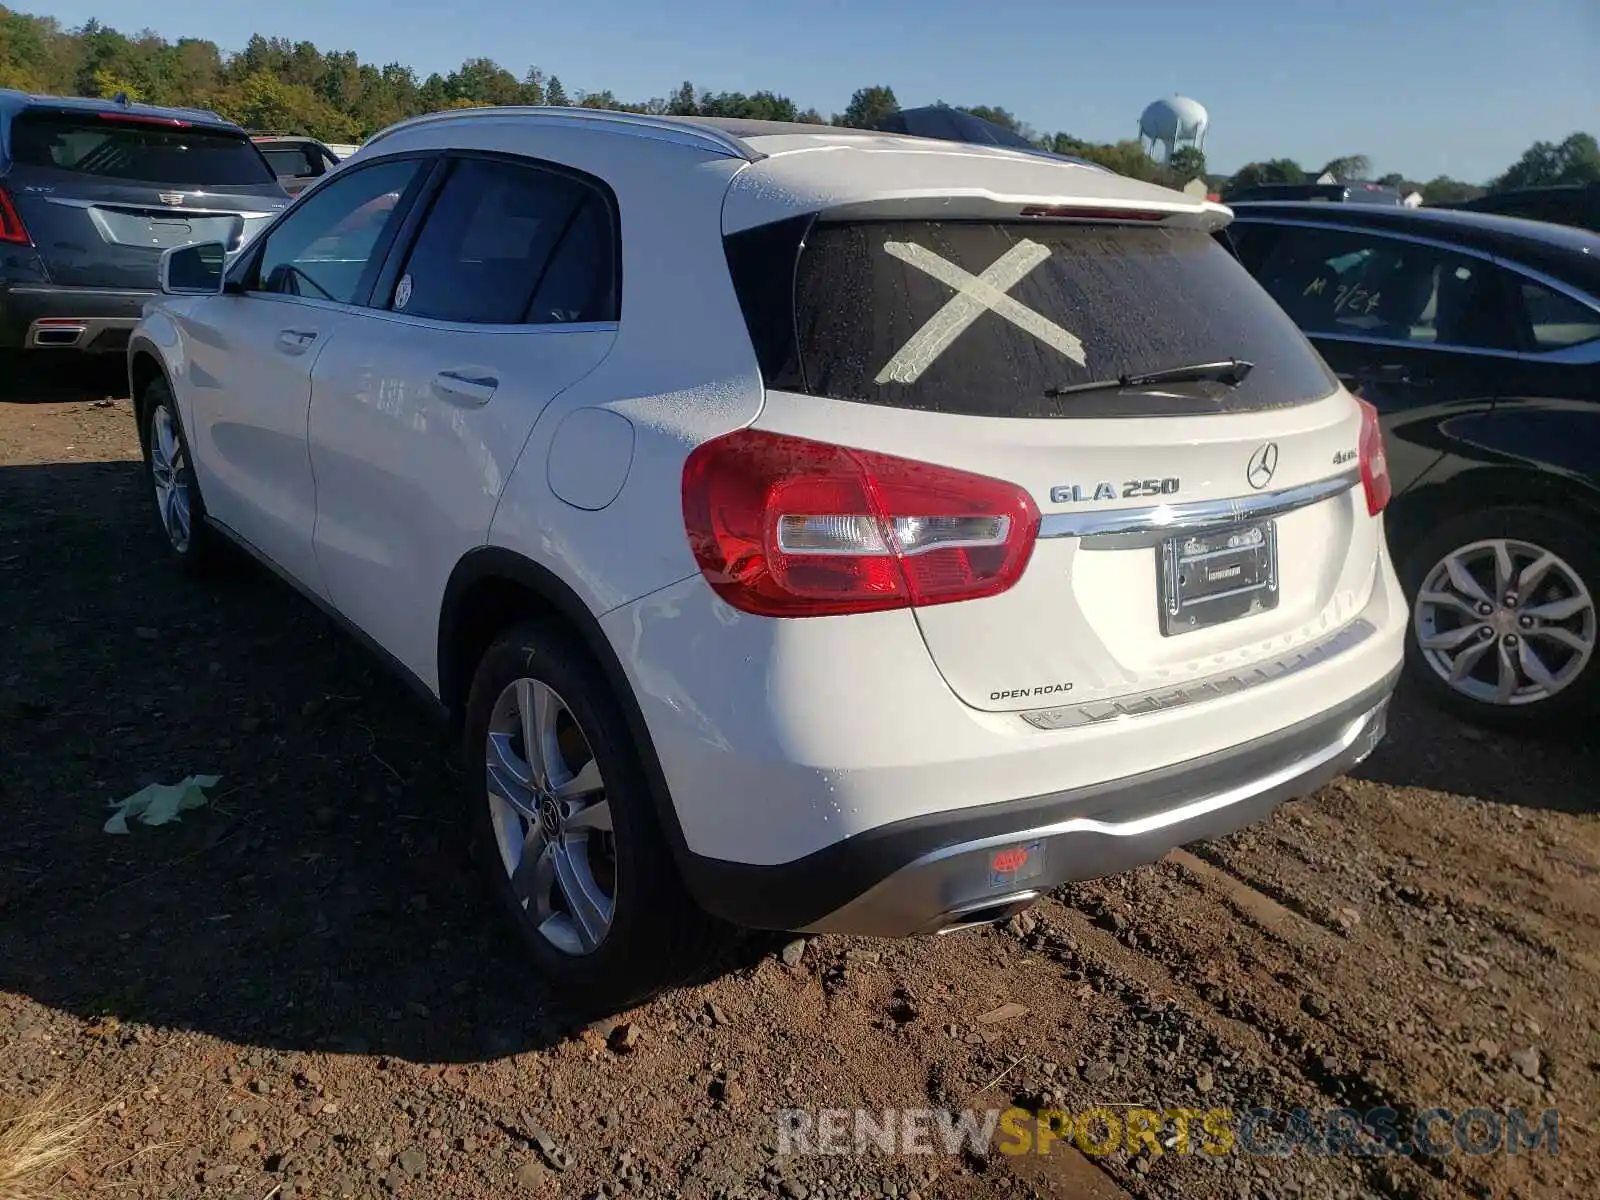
x=91, y=193
x=1478, y=339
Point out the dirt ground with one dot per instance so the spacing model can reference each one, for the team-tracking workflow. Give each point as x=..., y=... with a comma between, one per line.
x=301, y=989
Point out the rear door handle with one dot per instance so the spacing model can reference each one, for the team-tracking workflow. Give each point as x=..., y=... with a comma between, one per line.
x=465, y=384
x=1392, y=373
x=296, y=341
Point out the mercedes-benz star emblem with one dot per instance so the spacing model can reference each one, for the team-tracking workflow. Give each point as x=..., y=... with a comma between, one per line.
x=1263, y=465
x=550, y=817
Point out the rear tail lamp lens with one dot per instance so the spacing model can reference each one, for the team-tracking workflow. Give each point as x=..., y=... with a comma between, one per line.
x=788, y=527
x=12, y=229
x=1375, y=479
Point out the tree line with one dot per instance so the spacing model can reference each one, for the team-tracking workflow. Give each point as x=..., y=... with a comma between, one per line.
x=281, y=86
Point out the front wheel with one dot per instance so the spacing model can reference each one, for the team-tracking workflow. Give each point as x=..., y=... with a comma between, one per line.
x=566, y=828
x=1504, y=617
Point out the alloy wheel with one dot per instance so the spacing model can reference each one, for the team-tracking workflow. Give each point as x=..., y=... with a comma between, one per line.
x=1505, y=622
x=551, y=817
x=169, y=473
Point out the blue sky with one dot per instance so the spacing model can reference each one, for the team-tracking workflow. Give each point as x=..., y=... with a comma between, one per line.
x=1424, y=87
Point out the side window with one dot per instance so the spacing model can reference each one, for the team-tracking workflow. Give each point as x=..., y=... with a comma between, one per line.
x=323, y=249
x=1554, y=321
x=1250, y=243
x=506, y=244
x=1342, y=281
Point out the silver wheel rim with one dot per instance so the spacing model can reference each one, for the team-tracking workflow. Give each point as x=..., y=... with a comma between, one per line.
x=168, y=472
x=1505, y=622
x=551, y=817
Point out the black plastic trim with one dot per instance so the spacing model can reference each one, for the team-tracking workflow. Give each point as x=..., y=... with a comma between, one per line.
x=498, y=563
x=796, y=894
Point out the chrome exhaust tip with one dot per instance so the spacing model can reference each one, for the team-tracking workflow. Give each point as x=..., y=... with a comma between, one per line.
x=989, y=912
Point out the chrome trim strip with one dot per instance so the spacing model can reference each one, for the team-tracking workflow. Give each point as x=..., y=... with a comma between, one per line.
x=1580, y=353
x=1210, y=687
x=1168, y=519
x=640, y=124
x=1347, y=738
x=176, y=214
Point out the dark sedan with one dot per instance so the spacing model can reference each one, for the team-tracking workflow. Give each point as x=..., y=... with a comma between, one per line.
x=1478, y=339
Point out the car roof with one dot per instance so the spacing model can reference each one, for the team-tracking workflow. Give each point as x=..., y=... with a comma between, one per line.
x=1563, y=252
x=796, y=167
x=13, y=101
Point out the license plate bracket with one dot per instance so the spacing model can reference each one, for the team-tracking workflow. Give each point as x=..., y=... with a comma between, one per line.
x=1220, y=575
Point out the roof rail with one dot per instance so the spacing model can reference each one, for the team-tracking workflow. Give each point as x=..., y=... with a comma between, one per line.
x=642, y=124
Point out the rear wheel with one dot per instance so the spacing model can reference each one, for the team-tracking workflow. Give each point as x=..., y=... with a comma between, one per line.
x=170, y=470
x=1504, y=617
x=566, y=829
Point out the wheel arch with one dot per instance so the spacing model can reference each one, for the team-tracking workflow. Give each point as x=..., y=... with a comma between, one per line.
x=1417, y=512
x=145, y=366
x=492, y=589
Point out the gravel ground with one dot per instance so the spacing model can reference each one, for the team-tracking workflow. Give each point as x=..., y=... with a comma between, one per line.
x=301, y=989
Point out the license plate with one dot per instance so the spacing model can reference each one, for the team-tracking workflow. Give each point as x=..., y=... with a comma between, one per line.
x=1222, y=575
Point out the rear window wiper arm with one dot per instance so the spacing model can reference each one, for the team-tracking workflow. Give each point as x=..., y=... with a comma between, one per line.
x=1230, y=371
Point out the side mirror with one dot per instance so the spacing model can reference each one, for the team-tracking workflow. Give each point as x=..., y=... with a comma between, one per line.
x=195, y=270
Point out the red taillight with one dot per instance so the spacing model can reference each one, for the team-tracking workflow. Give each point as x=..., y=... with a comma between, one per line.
x=787, y=527
x=1374, y=462
x=138, y=119
x=11, y=227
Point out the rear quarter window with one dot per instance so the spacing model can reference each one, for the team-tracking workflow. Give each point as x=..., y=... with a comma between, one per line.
x=988, y=318
x=131, y=151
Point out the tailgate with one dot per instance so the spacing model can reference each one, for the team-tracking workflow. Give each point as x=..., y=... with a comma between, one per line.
x=1091, y=616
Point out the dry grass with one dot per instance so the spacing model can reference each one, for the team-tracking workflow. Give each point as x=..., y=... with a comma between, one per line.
x=37, y=1139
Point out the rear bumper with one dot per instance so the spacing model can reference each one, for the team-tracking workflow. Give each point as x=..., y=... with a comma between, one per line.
x=937, y=873
x=40, y=316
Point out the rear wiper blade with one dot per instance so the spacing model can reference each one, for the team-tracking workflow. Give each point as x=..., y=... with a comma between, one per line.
x=1230, y=371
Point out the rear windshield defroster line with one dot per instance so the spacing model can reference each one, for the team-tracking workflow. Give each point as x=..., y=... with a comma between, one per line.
x=984, y=318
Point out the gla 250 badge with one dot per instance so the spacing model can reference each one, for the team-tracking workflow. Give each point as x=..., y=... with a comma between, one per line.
x=1079, y=493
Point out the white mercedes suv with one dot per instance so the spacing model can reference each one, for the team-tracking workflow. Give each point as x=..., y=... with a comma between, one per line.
x=806, y=529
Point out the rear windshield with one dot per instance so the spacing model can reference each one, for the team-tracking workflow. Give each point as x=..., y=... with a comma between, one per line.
x=989, y=319
x=113, y=148
x=288, y=160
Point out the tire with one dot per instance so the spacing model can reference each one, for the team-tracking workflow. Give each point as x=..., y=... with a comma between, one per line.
x=1554, y=627
x=656, y=937
x=169, y=470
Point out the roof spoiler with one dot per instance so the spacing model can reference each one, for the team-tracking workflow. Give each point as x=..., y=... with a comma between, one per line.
x=1206, y=216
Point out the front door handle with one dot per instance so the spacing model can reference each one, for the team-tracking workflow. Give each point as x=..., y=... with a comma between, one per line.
x=473, y=387
x=296, y=341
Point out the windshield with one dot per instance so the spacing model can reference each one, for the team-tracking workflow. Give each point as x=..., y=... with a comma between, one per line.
x=111, y=148
x=997, y=318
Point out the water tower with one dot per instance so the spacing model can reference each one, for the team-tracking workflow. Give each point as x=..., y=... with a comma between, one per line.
x=1171, y=122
